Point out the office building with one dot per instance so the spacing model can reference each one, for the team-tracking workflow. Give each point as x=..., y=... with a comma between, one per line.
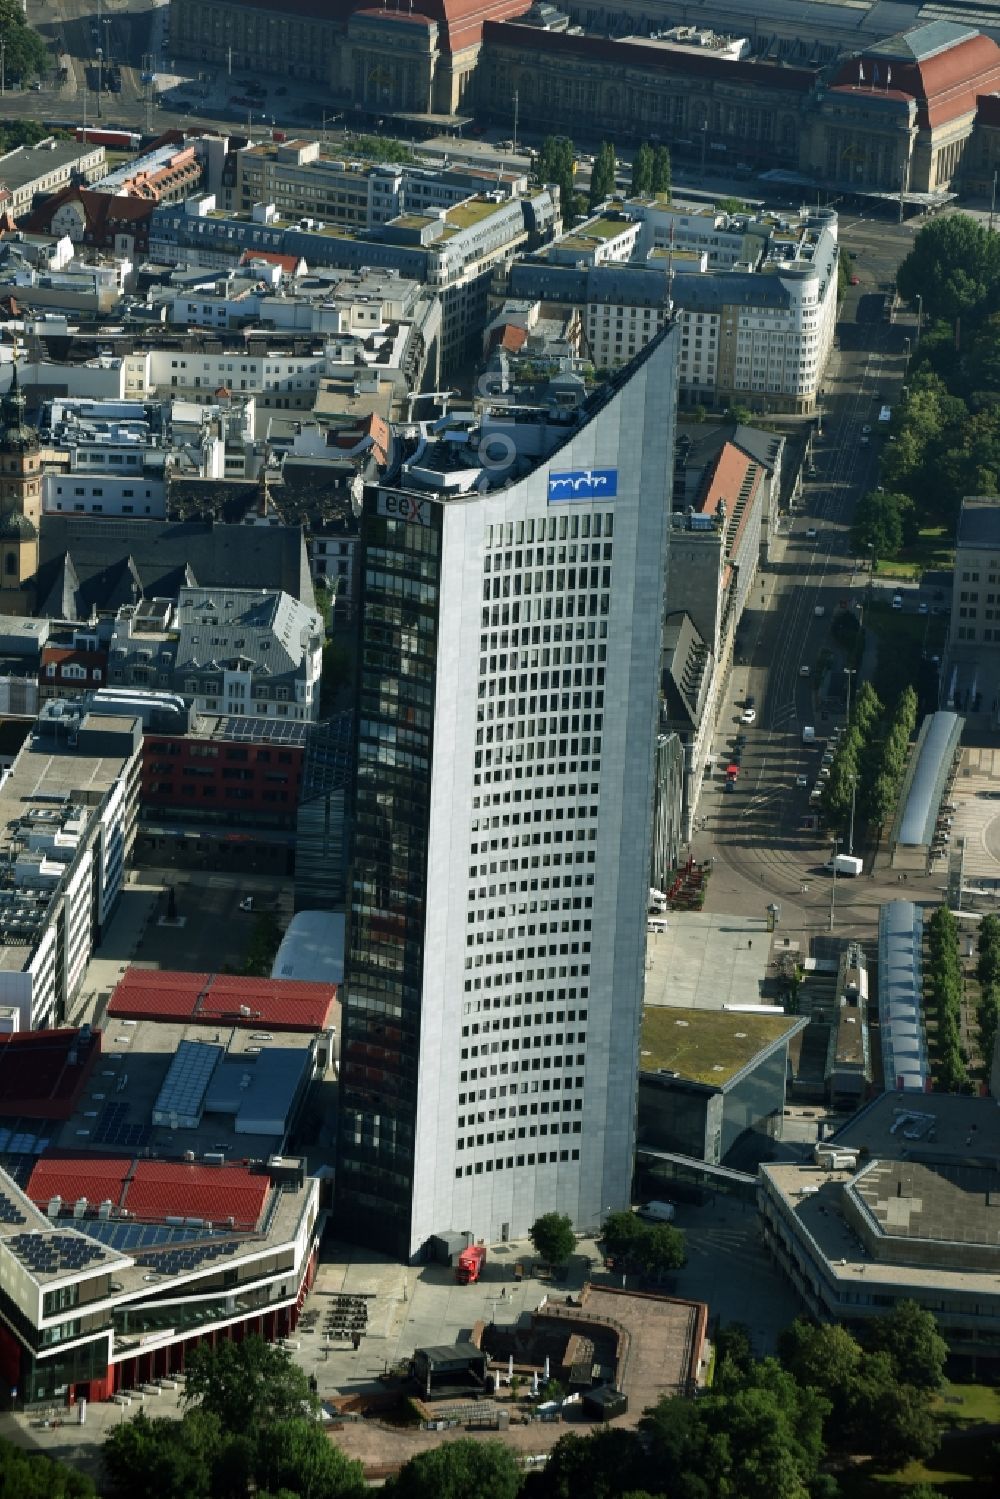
x=68, y=811
x=511, y=617
x=899, y=1206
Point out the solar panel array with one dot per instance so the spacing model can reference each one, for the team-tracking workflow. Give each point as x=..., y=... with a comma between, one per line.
x=47, y=1254
x=127, y=1237
x=9, y=1210
x=264, y=730
x=113, y=1128
x=177, y=1261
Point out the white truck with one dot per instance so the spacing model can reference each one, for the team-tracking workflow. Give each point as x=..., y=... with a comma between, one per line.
x=845, y=864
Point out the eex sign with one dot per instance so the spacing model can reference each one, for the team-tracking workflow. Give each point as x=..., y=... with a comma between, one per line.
x=406, y=507
x=583, y=484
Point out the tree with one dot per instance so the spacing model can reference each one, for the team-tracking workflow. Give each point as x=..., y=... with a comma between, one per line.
x=602, y=175
x=30, y=1475
x=246, y=1384
x=642, y=169
x=25, y=54
x=909, y=1335
x=621, y=1232
x=661, y=183
x=826, y=1357
x=954, y=266
x=553, y=1237
x=299, y=1455
x=600, y=1466
x=170, y=1459
x=459, y=1470
x=660, y=1248
x=878, y=523
x=554, y=164
x=890, y=1422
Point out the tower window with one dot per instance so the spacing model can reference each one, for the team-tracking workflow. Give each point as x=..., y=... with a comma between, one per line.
x=10, y=563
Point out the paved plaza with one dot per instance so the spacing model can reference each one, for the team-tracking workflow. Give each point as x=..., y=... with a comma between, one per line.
x=705, y=960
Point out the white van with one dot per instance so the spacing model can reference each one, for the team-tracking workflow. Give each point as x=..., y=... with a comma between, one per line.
x=657, y=1212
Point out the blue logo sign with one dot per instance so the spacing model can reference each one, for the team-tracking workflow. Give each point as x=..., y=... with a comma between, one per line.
x=583, y=484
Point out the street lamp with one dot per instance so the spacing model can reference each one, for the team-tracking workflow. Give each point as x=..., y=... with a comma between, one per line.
x=100, y=78
x=850, y=832
x=833, y=882
x=3, y=77
x=920, y=317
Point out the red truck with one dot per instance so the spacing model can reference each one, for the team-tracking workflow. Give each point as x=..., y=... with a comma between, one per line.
x=470, y=1264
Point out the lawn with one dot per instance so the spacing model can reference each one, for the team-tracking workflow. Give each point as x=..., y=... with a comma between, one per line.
x=933, y=551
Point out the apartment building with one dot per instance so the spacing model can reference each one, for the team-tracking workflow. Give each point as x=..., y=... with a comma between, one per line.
x=503, y=816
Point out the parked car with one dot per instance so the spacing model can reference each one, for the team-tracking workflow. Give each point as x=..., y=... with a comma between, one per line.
x=897, y=601
x=749, y=715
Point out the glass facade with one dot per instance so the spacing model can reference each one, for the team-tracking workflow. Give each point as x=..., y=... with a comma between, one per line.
x=388, y=867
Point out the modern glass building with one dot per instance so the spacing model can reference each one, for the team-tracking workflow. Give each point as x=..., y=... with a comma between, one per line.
x=511, y=616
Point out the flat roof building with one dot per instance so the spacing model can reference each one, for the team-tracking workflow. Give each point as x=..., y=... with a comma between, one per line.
x=911, y=1219
x=712, y=1082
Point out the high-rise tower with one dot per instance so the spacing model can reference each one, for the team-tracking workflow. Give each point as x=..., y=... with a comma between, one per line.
x=511, y=616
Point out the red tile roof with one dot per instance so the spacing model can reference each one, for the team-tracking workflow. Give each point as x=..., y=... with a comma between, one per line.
x=71, y=1177
x=169, y=1189
x=154, y=1190
x=37, y=1078
x=289, y=263
x=213, y=999
x=944, y=85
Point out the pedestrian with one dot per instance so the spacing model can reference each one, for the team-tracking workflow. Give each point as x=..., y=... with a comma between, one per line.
x=749, y=945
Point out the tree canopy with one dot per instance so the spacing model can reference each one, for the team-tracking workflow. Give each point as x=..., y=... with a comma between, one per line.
x=463, y=1469
x=602, y=175
x=245, y=1384
x=553, y=1237
x=954, y=266
x=30, y=1475
x=25, y=53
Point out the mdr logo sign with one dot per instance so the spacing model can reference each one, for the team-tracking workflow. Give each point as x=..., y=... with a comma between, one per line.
x=583, y=484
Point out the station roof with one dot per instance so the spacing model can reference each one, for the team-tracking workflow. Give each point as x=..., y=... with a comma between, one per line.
x=900, y=996
x=935, y=751
x=223, y=999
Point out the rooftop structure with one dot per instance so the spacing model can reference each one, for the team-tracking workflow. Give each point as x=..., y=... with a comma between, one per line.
x=312, y=948
x=43, y=1072
x=43, y=168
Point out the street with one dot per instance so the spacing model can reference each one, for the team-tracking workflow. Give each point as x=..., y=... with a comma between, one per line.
x=763, y=851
